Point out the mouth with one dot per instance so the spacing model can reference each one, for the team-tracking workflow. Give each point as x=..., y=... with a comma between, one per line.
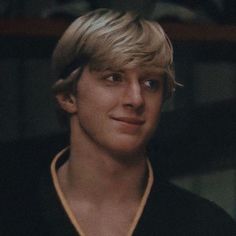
x=130, y=120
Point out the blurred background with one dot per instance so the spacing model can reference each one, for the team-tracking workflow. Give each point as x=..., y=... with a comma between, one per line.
x=195, y=145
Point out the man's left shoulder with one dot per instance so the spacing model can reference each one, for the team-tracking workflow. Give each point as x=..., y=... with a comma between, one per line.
x=191, y=210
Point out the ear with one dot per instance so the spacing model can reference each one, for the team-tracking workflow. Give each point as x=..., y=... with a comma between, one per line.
x=67, y=102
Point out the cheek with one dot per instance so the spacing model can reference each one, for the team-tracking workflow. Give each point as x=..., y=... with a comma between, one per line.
x=155, y=107
x=94, y=103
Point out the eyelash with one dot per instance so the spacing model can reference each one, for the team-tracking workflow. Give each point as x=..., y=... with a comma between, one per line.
x=115, y=78
x=154, y=86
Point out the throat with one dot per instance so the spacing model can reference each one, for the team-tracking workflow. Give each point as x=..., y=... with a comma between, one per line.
x=109, y=219
x=103, y=182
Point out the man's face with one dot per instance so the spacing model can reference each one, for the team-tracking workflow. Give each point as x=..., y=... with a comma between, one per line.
x=119, y=110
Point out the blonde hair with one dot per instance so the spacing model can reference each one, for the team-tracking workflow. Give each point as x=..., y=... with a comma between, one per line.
x=107, y=39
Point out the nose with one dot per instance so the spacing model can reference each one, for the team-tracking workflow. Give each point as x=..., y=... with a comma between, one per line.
x=132, y=96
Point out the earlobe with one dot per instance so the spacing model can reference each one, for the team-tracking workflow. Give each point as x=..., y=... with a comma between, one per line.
x=67, y=102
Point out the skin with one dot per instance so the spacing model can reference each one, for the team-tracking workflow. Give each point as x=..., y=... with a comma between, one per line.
x=126, y=103
x=113, y=115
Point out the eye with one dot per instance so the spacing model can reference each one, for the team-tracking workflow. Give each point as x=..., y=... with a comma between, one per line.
x=114, y=77
x=152, y=84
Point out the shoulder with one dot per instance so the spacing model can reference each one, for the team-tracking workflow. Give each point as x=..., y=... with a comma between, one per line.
x=191, y=212
x=179, y=197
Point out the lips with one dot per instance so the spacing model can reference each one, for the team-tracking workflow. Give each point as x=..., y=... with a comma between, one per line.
x=129, y=120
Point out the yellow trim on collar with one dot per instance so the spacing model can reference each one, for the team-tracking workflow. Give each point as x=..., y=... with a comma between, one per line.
x=143, y=200
x=61, y=195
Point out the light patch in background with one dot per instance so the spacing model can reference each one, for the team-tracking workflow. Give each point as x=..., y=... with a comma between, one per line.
x=218, y=186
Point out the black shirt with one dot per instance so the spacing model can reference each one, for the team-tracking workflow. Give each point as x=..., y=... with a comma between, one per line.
x=169, y=211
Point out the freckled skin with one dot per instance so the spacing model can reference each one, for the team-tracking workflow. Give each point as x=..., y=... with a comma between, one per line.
x=118, y=111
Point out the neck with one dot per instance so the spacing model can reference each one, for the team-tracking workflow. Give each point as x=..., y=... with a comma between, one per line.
x=92, y=174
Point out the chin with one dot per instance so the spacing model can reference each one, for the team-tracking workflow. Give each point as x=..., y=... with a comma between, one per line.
x=128, y=148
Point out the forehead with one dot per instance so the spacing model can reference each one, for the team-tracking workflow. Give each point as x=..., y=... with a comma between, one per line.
x=141, y=70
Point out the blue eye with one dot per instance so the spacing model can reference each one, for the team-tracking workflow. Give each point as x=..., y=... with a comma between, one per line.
x=152, y=84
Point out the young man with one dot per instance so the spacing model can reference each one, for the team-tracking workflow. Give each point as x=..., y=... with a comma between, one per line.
x=113, y=73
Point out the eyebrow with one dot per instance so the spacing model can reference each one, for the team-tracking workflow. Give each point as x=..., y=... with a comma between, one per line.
x=143, y=72
x=114, y=71
x=158, y=73
x=158, y=70
x=109, y=71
